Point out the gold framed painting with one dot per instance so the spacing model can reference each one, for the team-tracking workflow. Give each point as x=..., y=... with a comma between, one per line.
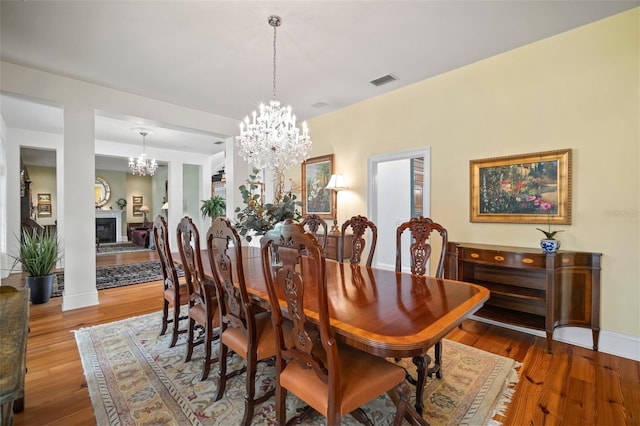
x=527, y=188
x=137, y=199
x=44, y=209
x=316, y=198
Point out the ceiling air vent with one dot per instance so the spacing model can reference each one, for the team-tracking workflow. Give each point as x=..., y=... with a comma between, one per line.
x=388, y=78
x=218, y=142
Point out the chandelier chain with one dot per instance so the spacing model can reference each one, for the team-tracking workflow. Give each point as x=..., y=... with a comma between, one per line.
x=274, y=60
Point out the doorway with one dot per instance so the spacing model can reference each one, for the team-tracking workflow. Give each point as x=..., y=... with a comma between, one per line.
x=399, y=188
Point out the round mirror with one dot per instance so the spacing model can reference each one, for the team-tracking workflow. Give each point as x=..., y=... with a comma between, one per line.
x=102, y=192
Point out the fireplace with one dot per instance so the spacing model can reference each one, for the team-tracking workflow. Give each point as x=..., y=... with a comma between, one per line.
x=109, y=225
x=106, y=229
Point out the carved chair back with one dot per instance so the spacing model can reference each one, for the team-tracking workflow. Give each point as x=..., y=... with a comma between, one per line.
x=314, y=223
x=420, y=229
x=359, y=226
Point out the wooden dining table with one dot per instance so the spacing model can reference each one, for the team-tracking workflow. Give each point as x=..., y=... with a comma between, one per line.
x=382, y=312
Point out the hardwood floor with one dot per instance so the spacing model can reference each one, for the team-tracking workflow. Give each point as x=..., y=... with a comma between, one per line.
x=572, y=386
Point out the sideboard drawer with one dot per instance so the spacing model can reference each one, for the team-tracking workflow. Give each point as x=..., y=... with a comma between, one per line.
x=503, y=258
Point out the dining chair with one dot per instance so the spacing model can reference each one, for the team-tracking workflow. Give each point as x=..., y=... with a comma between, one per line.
x=420, y=249
x=334, y=379
x=314, y=223
x=174, y=291
x=244, y=327
x=203, y=303
x=359, y=226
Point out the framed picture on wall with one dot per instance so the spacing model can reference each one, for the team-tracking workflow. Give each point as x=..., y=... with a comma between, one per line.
x=44, y=209
x=316, y=199
x=137, y=199
x=44, y=198
x=527, y=188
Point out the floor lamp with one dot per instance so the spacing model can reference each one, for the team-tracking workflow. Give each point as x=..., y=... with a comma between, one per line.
x=336, y=183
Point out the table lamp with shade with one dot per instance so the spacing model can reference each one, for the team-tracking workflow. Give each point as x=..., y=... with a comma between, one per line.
x=336, y=183
x=144, y=210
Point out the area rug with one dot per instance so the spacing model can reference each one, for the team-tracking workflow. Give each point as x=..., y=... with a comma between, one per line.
x=134, y=378
x=125, y=247
x=119, y=275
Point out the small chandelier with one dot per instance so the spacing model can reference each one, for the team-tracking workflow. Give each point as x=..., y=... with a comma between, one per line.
x=141, y=166
x=271, y=139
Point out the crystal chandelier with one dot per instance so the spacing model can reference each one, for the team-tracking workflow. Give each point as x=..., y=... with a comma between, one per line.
x=141, y=166
x=271, y=139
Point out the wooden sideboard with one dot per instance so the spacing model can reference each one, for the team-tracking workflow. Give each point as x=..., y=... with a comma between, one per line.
x=530, y=288
x=332, y=248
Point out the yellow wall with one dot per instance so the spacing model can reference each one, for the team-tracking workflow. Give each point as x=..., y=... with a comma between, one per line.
x=576, y=90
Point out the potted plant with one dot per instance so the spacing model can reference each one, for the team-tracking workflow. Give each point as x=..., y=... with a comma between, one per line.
x=256, y=218
x=213, y=207
x=38, y=255
x=548, y=244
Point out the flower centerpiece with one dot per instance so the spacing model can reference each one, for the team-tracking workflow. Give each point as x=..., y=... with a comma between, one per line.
x=549, y=244
x=258, y=217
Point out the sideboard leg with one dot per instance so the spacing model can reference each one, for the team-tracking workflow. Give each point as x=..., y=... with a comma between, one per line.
x=549, y=340
x=596, y=335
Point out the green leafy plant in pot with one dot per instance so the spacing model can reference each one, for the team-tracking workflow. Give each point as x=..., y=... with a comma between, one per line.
x=39, y=253
x=257, y=217
x=213, y=207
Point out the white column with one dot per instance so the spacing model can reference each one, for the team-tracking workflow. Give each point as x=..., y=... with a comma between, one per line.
x=79, y=227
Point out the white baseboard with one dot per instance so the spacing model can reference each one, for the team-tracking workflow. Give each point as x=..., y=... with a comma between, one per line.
x=81, y=300
x=609, y=342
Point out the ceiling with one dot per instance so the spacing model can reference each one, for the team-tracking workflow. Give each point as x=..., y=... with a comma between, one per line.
x=217, y=56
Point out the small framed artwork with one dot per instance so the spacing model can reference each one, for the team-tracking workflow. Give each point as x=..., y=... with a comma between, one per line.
x=528, y=188
x=44, y=209
x=136, y=210
x=316, y=199
x=44, y=198
x=137, y=199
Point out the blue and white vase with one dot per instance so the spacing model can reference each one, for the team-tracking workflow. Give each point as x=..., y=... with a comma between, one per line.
x=550, y=246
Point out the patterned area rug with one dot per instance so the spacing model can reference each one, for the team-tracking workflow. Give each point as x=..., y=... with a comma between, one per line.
x=126, y=247
x=119, y=275
x=134, y=378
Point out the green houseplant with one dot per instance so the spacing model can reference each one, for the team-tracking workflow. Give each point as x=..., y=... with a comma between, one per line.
x=39, y=252
x=213, y=207
x=256, y=218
